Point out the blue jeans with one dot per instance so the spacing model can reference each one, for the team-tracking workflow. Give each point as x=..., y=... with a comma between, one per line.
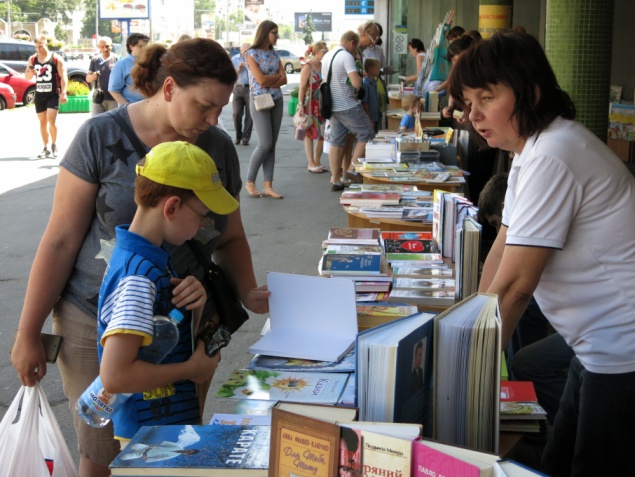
x=593, y=433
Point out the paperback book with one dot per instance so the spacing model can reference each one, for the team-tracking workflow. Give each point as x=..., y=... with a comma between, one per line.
x=279, y=363
x=351, y=264
x=424, y=284
x=423, y=297
x=196, y=451
x=353, y=236
x=323, y=388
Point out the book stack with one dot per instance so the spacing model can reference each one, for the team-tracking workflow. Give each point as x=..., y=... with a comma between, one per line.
x=449, y=209
x=362, y=199
x=375, y=313
x=356, y=255
x=519, y=408
x=381, y=150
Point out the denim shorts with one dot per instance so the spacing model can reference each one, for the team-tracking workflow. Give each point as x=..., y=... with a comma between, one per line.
x=354, y=121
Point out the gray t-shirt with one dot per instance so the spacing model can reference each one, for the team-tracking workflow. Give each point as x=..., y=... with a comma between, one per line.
x=102, y=154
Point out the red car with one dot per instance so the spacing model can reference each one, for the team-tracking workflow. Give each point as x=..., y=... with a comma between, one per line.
x=24, y=89
x=7, y=97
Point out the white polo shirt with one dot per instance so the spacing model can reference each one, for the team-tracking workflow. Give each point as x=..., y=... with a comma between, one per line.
x=569, y=192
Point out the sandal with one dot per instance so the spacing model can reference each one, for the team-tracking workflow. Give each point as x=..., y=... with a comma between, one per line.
x=269, y=192
x=251, y=190
x=317, y=169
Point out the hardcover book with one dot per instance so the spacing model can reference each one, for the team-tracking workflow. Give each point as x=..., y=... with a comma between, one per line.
x=409, y=246
x=382, y=454
x=305, y=439
x=432, y=458
x=353, y=236
x=196, y=451
x=388, y=235
x=284, y=386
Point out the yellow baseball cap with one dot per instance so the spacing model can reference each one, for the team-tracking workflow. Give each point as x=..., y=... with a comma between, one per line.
x=184, y=165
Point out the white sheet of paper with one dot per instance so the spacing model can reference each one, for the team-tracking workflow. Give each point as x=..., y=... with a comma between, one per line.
x=311, y=317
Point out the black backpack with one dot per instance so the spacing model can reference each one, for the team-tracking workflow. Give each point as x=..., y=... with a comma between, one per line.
x=325, y=99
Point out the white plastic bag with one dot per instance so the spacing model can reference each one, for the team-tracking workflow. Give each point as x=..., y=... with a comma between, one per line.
x=35, y=437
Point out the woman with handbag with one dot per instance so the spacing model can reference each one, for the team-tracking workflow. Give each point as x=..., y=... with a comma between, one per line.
x=185, y=89
x=266, y=75
x=308, y=112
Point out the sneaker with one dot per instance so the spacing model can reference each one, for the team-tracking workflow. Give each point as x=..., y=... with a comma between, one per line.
x=337, y=187
x=45, y=153
x=53, y=150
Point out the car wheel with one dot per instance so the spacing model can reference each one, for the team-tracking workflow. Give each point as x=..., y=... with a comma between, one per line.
x=3, y=104
x=29, y=96
x=288, y=68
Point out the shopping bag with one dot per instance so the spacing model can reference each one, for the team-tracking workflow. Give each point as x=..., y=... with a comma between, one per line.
x=31, y=443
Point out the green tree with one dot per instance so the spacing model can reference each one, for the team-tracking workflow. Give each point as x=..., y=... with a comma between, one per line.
x=16, y=12
x=33, y=10
x=104, y=26
x=201, y=7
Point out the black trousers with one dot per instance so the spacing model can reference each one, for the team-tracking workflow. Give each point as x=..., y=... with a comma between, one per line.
x=240, y=104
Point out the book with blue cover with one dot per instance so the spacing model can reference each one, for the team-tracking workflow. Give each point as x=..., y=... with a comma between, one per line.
x=349, y=264
x=185, y=450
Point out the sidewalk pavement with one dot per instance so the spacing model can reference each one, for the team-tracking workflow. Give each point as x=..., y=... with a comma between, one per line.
x=284, y=235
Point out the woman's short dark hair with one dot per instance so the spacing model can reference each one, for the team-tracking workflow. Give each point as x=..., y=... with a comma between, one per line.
x=262, y=34
x=417, y=44
x=188, y=62
x=517, y=61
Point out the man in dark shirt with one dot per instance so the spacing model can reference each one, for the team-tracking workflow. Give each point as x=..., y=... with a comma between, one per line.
x=99, y=73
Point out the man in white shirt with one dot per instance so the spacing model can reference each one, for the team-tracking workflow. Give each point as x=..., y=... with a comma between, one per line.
x=347, y=115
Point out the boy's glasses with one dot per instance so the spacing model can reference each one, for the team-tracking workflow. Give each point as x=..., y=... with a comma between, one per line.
x=205, y=220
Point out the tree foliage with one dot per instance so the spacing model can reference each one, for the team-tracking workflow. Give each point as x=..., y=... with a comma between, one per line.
x=33, y=10
x=104, y=26
x=201, y=7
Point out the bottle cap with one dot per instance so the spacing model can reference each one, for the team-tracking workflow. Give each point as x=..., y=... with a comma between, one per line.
x=176, y=315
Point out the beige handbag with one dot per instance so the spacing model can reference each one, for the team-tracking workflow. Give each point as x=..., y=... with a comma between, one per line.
x=263, y=102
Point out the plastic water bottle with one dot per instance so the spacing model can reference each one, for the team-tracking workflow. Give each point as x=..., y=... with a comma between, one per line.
x=95, y=406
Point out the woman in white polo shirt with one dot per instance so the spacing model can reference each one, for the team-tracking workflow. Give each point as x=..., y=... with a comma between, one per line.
x=568, y=238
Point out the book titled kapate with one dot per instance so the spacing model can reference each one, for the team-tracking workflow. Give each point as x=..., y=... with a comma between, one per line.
x=324, y=388
x=196, y=451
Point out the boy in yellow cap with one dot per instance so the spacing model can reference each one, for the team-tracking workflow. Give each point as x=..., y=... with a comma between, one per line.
x=177, y=185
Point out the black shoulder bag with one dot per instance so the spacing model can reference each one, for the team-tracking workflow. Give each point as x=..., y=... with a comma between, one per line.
x=231, y=312
x=325, y=99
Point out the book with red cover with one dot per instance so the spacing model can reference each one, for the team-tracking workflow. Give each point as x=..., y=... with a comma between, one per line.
x=433, y=458
x=409, y=246
x=518, y=391
x=388, y=235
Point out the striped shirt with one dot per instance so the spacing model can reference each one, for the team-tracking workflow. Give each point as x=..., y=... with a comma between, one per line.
x=343, y=94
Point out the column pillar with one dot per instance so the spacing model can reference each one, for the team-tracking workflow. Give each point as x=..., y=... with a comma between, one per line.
x=578, y=43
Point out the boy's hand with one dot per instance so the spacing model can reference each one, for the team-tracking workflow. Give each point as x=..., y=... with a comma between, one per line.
x=257, y=299
x=203, y=367
x=188, y=292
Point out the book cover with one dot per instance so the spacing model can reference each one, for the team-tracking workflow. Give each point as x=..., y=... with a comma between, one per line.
x=434, y=458
x=518, y=391
x=350, y=460
x=345, y=263
x=353, y=235
x=382, y=454
x=387, y=235
x=195, y=451
x=409, y=246
x=423, y=297
x=284, y=386
x=220, y=419
x=369, y=286
x=279, y=363
x=522, y=410
x=374, y=314
x=305, y=439
x=354, y=249
x=423, y=257
x=419, y=214
x=409, y=272
x=423, y=283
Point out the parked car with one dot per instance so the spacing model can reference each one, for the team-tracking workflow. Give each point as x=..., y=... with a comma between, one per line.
x=23, y=88
x=16, y=53
x=7, y=97
x=290, y=61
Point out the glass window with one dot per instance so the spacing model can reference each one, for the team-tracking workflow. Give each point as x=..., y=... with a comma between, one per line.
x=9, y=51
x=26, y=51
